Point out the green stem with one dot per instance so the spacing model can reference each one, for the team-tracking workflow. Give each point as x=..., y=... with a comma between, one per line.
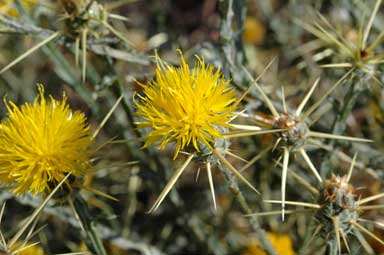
x=266, y=244
x=356, y=89
x=92, y=239
x=332, y=248
x=349, y=102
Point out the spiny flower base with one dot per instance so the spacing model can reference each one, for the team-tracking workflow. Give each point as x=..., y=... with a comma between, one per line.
x=338, y=209
x=296, y=131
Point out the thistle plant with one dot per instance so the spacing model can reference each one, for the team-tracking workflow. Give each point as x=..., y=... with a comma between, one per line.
x=81, y=19
x=191, y=108
x=42, y=142
x=88, y=18
x=338, y=213
x=292, y=130
x=16, y=246
x=364, y=55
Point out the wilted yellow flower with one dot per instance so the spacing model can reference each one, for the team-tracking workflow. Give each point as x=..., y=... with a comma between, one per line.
x=186, y=106
x=41, y=142
x=281, y=242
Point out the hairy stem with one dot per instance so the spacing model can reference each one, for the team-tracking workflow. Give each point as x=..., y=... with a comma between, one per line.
x=356, y=89
x=332, y=248
x=349, y=102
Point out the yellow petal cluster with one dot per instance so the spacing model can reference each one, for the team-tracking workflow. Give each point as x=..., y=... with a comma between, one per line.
x=41, y=142
x=185, y=106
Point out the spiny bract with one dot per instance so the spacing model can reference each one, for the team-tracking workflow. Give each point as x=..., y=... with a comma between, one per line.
x=41, y=142
x=186, y=106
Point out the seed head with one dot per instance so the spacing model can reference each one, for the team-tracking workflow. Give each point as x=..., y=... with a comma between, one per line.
x=337, y=200
x=296, y=131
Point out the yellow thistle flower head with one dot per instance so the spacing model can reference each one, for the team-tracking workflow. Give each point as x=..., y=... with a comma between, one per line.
x=41, y=142
x=186, y=106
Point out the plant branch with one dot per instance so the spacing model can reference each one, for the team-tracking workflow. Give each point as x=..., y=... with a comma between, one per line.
x=253, y=220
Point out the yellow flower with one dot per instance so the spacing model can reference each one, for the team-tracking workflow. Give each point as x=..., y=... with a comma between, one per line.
x=31, y=250
x=254, y=31
x=281, y=242
x=8, y=6
x=186, y=106
x=41, y=142
x=109, y=246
